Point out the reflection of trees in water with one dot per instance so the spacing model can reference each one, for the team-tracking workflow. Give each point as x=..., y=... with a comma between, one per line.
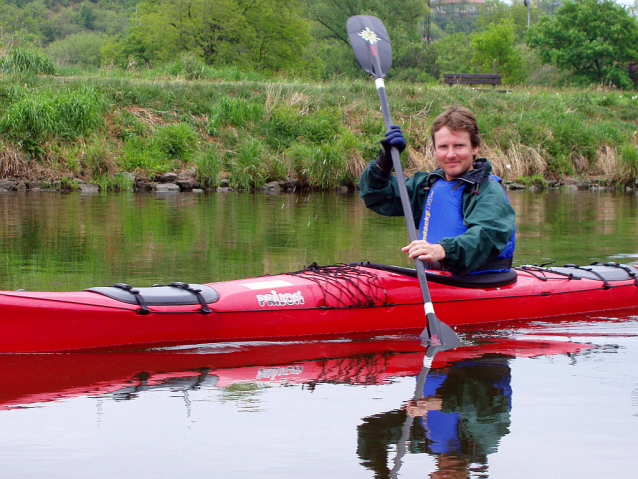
x=463, y=415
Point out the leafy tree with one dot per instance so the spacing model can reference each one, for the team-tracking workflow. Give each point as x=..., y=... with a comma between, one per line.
x=22, y=22
x=498, y=42
x=268, y=35
x=86, y=16
x=453, y=54
x=594, y=39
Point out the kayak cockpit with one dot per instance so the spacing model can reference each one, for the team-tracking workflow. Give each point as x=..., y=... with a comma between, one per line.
x=483, y=280
x=608, y=272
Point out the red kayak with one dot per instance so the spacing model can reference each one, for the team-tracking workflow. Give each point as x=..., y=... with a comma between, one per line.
x=361, y=299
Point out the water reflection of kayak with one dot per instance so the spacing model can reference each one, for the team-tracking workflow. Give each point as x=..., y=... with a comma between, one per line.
x=333, y=301
x=35, y=378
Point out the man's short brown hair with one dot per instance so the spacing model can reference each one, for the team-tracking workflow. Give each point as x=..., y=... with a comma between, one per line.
x=458, y=119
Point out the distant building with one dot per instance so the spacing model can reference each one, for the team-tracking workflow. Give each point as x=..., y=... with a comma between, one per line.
x=451, y=16
x=456, y=7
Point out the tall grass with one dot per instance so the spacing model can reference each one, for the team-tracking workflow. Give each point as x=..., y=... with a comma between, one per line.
x=27, y=61
x=246, y=165
x=233, y=111
x=40, y=116
x=627, y=167
x=209, y=166
x=99, y=158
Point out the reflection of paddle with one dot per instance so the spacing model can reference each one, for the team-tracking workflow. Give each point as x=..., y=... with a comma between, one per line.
x=402, y=444
x=371, y=45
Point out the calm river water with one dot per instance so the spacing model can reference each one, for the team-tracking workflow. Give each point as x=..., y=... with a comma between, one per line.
x=543, y=399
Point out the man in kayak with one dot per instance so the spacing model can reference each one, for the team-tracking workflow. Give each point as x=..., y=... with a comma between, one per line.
x=465, y=222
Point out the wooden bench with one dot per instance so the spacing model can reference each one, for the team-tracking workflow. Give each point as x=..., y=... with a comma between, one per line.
x=472, y=79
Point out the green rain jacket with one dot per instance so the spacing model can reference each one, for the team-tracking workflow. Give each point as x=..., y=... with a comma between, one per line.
x=489, y=217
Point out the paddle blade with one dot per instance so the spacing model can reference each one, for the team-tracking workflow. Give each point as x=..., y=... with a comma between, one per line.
x=437, y=333
x=371, y=44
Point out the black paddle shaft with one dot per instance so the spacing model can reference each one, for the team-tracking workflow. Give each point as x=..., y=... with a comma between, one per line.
x=371, y=45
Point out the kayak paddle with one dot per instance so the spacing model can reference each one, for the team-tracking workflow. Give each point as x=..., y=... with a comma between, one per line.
x=371, y=45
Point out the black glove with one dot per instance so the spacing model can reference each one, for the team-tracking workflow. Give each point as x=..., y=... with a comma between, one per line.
x=393, y=137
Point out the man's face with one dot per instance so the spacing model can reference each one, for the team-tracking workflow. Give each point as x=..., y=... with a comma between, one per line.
x=454, y=152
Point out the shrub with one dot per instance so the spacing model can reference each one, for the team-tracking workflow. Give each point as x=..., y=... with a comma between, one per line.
x=81, y=49
x=140, y=154
x=175, y=141
x=117, y=182
x=324, y=124
x=246, y=165
x=69, y=184
x=188, y=66
x=627, y=170
x=288, y=124
x=99, y=159
x=322, y=166
x=533, y=180
x=208, y=165
x=126, y=125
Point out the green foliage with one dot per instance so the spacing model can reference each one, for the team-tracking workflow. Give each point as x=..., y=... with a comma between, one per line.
x=246, y=165
x=209, y=165
x=402, y=18
x=591, y=38
x=321, y=125
x=79, y=112
x=187, y=66
x=32, y=116
x=175, y=141
x=140, y=155
x=453, y=54
x=497, y=42
x=69, y=184
x=125, y=125
x=27, y=61
x=627, y=171
x=99, y=157
x=79, y=49
x=322, y=166
x=42, y=115
x=266, y=35
x=116, y=182
x=455, y=17
x=234, y=111
x=533, y=180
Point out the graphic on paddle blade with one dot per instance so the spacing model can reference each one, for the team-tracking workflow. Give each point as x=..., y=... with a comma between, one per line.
x=371, y=44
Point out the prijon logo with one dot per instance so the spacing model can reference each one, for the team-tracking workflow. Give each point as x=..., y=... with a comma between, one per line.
x=280, y=299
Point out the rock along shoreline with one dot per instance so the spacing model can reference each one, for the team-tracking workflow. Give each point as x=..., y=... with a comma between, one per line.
x=185, y=181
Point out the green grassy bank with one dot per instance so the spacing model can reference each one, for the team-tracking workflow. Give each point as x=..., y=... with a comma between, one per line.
x=245, y=131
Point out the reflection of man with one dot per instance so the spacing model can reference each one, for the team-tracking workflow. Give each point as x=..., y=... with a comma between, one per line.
x=464, y=413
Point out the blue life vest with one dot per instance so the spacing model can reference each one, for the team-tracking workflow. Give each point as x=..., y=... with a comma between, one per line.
x=443, y=218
